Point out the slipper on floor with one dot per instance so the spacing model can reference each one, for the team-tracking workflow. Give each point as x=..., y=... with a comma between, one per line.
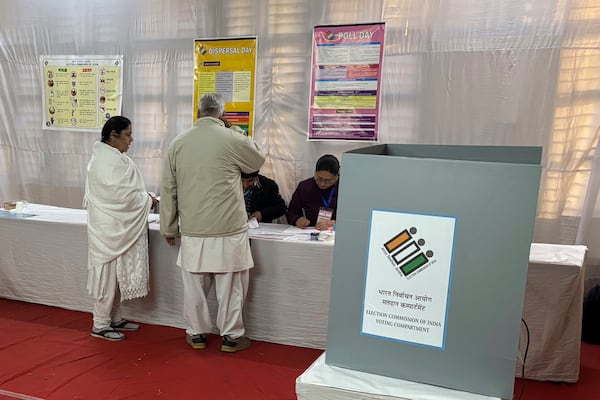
x=108, y=334
x=124, y=325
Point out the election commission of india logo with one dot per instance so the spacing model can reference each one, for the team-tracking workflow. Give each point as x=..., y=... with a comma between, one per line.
x=408, y=252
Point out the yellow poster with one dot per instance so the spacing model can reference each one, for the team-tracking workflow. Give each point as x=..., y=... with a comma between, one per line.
x=81, y=92
x=228, y=67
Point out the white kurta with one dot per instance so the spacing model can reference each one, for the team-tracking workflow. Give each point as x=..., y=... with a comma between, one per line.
x=225, y=259
x=215, y=254
x=118, y=207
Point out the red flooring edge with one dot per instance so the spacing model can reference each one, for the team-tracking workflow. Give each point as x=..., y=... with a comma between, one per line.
x=47, y=353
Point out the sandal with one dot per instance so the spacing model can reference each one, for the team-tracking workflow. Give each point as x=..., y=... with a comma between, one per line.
x=124, y=325
x=108, y=334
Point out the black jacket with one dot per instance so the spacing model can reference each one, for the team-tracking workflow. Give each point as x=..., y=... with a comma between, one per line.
x=265, y=198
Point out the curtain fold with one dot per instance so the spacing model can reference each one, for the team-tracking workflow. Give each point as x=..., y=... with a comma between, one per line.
x=516, y=72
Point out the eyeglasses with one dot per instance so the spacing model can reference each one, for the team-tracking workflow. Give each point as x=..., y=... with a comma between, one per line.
x=324, y=181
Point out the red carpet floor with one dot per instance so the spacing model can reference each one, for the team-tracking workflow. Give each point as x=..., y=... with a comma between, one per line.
x=47, y=353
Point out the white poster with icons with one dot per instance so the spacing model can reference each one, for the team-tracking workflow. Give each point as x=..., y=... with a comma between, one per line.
x=81, y=92
x=408, y=277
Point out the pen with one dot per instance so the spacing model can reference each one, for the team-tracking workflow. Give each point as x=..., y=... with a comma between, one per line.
x=304, y=213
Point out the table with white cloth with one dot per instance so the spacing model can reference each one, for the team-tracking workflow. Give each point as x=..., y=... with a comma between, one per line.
x=553, y=312
x=322, y=381
x=44, y=260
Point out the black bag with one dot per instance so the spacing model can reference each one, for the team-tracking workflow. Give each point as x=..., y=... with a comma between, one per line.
x=590, y=331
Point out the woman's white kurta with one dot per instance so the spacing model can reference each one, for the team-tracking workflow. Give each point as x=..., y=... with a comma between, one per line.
x=118, y=207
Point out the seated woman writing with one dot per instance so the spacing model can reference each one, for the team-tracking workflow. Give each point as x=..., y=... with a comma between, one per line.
x=314, y=201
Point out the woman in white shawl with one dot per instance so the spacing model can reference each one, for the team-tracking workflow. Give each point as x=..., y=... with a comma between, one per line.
x=118, y=207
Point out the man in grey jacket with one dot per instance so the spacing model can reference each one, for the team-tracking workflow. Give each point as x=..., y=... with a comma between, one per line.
x=202, y=200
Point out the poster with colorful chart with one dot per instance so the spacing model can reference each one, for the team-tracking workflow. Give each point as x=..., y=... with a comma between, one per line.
x=227, y=66
x=80, y=93
x=346, y=82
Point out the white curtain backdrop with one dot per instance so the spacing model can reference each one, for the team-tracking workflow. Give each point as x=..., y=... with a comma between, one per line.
x=485, y=72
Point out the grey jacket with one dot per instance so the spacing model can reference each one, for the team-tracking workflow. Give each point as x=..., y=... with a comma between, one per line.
x=201, y=185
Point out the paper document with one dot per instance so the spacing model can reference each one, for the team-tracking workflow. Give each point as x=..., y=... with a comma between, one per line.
x=9, y=214
x=294, y=230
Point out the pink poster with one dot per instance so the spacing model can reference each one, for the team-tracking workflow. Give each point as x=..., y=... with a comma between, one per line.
x=346, y=81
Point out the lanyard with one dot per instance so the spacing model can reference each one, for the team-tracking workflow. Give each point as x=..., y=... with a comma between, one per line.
x=248, y=195
x=327, y=202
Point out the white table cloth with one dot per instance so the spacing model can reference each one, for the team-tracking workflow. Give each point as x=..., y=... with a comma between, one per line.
x=553, y=311
x=321, y=381
x=44, y=260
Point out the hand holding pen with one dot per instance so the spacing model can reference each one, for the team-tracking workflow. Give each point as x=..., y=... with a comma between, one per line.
x=302, y=222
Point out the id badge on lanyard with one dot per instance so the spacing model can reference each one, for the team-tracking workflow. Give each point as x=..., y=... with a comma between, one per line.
x=325, y=214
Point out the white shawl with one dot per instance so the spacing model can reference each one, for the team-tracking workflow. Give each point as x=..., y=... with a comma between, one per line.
x=117, y=202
